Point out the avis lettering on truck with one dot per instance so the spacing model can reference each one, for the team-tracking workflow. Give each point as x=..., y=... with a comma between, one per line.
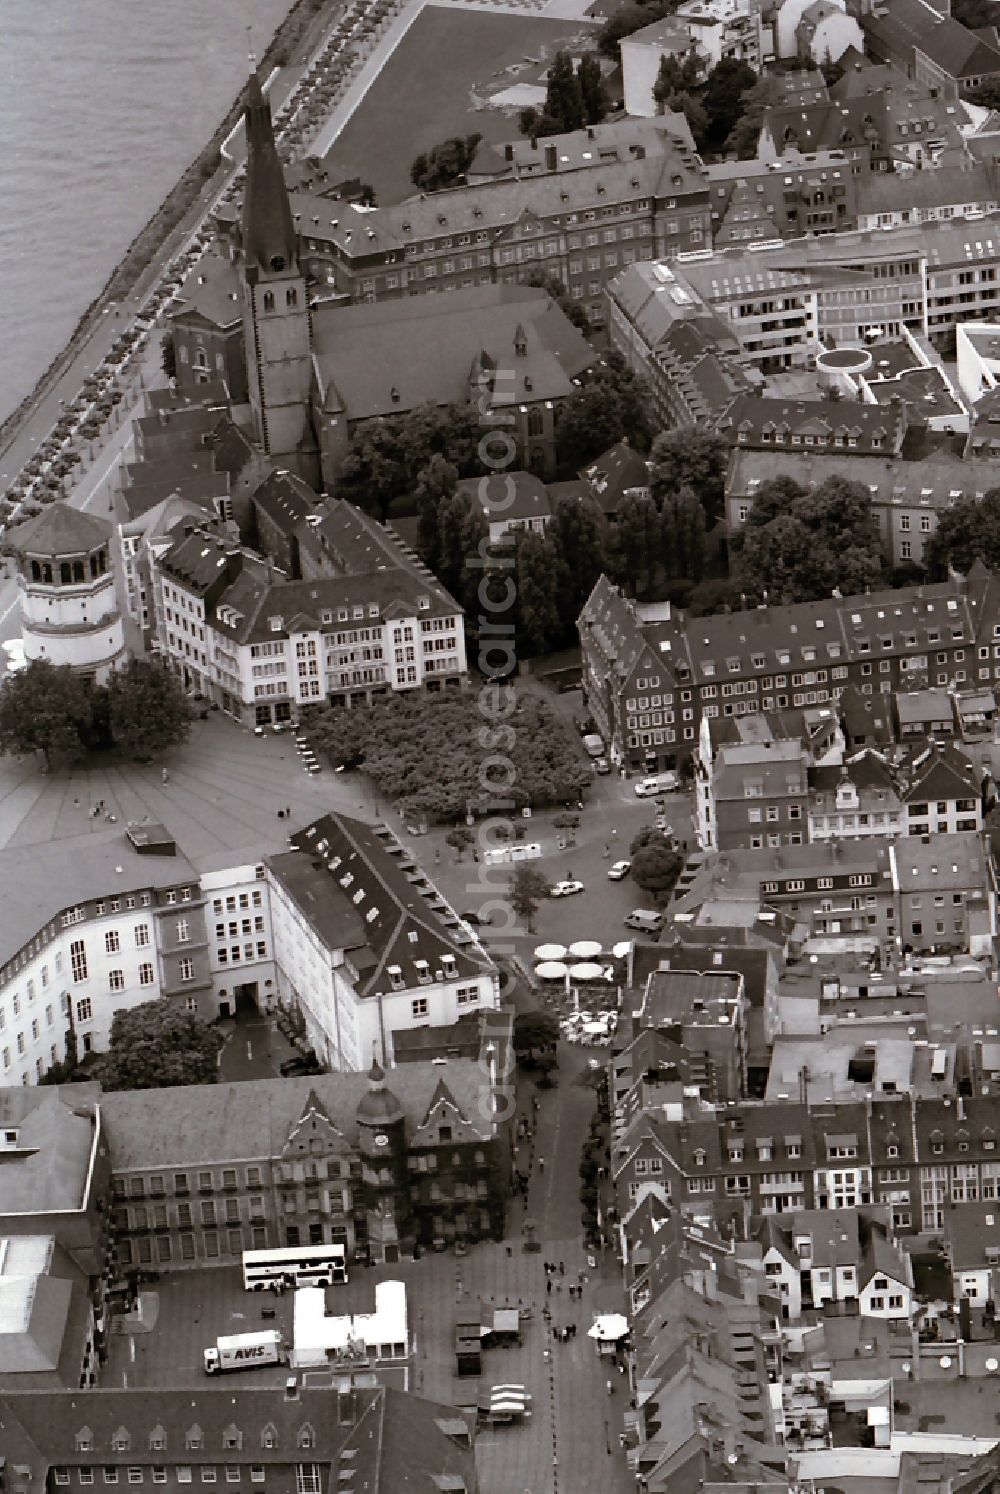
x=245, y=1351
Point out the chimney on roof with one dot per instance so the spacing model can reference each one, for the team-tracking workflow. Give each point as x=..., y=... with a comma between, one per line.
x=551, y=158
x=804, y=1085
x=508, y=152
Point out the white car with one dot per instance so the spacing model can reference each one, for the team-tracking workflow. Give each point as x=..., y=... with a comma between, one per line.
x=663, y=783
x=619, y=871
x=565, y=889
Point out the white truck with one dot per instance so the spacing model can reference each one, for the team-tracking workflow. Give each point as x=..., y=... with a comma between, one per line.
x=592, y=742
x=245, y=1351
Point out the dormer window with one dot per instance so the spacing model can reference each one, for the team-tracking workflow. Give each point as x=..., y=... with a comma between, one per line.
x=275, y=624
x=121, y=1441
x=84, y=1440
x=194, y=1439
x=307, y=1437
x=269, y=1436
x=699, y=1157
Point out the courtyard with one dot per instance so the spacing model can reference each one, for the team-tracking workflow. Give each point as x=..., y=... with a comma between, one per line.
x=424, y=92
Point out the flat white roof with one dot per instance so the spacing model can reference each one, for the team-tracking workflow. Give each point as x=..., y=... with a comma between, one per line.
x=315, y=1334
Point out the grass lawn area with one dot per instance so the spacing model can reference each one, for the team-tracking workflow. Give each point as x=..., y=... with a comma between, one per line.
x=422, y=94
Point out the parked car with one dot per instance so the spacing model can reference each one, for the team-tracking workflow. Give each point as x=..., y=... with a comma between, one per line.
x=565, y=889
x=662, y=783
x=300, y=1064
x=601, y=765
x=619, y=871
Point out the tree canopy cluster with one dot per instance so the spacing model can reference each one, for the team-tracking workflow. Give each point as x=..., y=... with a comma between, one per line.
x=384, y=458
x=50, y=709
x=655, y=865
x=572, y=98
x=156, y=1045
x=799, y=544
x=663, y=535
x=438, y=756
x=611, y=405
x=445, y=164
x=713, y=109
x=965, y=533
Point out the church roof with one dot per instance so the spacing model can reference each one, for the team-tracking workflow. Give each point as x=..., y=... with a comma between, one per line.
x=388, y=358
x=269, y=239
x=59, y=530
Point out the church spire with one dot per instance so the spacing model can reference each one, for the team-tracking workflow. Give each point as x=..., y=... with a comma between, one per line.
x=269, y=244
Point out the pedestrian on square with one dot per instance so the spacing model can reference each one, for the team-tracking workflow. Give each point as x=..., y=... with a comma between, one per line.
x=541, y=1164
x=548, y=1288
x=510, y=1251
x=562, y=1268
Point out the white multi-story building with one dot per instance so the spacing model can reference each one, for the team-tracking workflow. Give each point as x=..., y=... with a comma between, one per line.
x=261, y=646
x=88, y=932
x=365, y=946
x=240, y=944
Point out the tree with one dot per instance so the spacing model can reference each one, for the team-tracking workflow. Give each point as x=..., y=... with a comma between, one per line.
x=765, y=94
x=571, y=309
x=445, y=164
x=48, y=709
x=436, y=484
x=374, y=472
x=385, y=457
x=976, y=13
x=690, y=457
x=656, y=867
x=800, y=550
x=588, y=74
x=625, y=21
x=970, y=531
x=157, y=1045
x=168, y=355
x=563, y=93
x=577, y=535
x=610, y=406
x=459, y=838
x=682, y=535
x=728, y=84
x=539, y=624
x=634, y=543
x=148, y=709
x=534, y=1032
x=526, y=890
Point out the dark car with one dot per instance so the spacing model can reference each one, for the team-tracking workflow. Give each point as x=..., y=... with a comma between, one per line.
x=300, y=1064
x=348, y=764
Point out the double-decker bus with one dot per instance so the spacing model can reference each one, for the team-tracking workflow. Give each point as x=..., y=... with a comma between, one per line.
x=300, y=1265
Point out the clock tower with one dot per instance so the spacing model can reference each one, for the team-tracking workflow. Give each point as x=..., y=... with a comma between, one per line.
x=276, y=321
x=384, y=1175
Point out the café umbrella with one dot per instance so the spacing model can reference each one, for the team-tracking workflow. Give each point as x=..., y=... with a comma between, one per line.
x=585, y=949
x=551, y=970
x=550, y=952
x=609, y=1328
x=586, y=970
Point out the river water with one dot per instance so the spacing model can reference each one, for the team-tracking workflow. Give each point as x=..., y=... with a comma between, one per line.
x=102, y=105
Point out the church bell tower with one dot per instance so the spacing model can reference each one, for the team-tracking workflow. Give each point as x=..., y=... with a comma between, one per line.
x=276, y=322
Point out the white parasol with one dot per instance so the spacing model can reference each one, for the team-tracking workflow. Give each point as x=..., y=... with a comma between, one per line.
x=609, y=1328
x=550, y=952
x=585, y=949
x=550, y=970
x=586, y=970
